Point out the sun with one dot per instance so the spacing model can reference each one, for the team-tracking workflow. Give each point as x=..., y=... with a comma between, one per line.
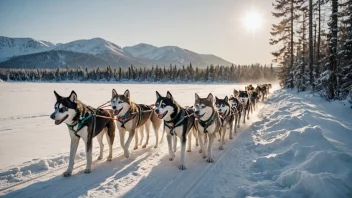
x=253, y=20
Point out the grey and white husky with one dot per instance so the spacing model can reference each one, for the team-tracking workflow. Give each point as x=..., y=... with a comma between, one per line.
x=237, y=109
x=208, y=124
x=227, y=116
x=83, y=123
x=178, y=122
x=243, y=97
x=132, y=117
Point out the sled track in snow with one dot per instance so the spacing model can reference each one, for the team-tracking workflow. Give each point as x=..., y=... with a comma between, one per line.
x=78, y=165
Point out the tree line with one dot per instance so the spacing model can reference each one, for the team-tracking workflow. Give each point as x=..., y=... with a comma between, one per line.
x=227, y=74
x=314, y=45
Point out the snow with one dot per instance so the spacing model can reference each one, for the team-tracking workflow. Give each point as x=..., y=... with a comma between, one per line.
x=296, y=145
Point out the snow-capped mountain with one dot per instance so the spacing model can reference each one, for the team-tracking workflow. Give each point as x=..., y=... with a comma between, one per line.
x=139, y=49
x=102, y=51
x=173, y=55
x=11, y=47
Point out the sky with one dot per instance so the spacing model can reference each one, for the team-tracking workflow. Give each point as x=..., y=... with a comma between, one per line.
x=203, y=26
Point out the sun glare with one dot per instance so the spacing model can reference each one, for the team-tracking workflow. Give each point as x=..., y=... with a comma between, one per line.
x=252, y=20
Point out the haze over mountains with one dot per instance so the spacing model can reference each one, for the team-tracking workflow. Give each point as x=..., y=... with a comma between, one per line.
x=92, y=53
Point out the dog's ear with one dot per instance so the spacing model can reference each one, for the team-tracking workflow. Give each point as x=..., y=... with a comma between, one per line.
x=58, y=97
x=226, y=99
x=158, y=95
x=216, y=99
x=73, y=96
x=127, y=93
x=210, y=98
x=196, y=96
x=114, y=93
x=169, y=96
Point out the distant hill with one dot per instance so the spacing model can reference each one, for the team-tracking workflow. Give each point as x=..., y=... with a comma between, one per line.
x=31, y=53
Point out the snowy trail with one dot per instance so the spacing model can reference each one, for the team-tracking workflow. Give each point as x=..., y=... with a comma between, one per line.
x=296, y=145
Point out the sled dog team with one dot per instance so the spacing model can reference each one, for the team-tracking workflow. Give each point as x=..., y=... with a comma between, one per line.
x=205, y=119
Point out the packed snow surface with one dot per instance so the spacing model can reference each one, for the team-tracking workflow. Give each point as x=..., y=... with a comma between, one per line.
x=295, y=145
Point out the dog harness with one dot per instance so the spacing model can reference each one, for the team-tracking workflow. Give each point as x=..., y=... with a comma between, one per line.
x=207, y=123
x=125, y=118
x=171, y=125
x=81, y=123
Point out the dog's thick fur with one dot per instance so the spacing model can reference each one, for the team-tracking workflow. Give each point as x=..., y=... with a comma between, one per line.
x=71, y=111
x=208, y=114
x=227, y=117
x=178, y=122
x=142, y=116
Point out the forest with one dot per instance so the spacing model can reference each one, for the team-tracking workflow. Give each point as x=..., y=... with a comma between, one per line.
x=314, y=45
x=255, y=73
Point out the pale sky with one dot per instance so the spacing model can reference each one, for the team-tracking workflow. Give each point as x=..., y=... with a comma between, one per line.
x=203, y=26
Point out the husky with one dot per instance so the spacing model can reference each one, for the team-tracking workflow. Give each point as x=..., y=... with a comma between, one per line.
x=261, y=92
x=227, y=117
x=83, y=122
x=244, y=99
x=235, y=93
x=237, y=108
x=178, y=122
x=208, y=124
x=132, y=117
x=254, y=100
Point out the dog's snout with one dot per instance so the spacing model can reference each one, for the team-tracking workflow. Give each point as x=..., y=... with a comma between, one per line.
x=157, y=111
x=52, y=116
x=113, y=107
x=196, y=112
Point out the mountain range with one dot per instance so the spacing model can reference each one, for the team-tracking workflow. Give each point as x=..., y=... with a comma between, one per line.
x=92, y=53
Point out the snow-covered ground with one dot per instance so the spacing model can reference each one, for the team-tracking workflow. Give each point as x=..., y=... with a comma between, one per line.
x=296, y=145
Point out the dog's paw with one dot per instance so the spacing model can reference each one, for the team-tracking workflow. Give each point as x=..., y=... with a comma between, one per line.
x=135, y=148
x=204, y=156
x=197, y=144
x=144, y=146
x=67, y=173
x=156, y=146
x=100, y=158
x=127, y=154
x=189, y=150
x=88, y=170
x=109, y=158
x=182, y=167
x=210, y=160
x=231, y=138
x=221, y=147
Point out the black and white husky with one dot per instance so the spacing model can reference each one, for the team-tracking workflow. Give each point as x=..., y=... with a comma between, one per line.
x=208, y=124
x=83, y=123
x=178, y=122
x=237, y=109
x=132, y=117
x=245, y=100
x=227, y=117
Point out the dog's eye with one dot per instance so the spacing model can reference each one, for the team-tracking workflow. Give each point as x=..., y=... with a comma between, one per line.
x=63, y=109
x=223, y=105
x=120, y=102
x=162, y=105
